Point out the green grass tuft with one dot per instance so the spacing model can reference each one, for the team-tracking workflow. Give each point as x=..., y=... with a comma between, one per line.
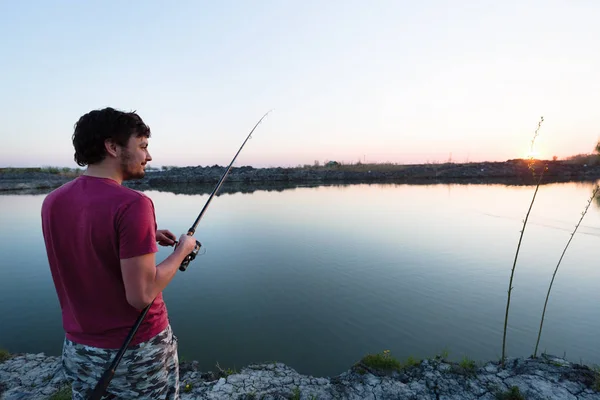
x=467, y=364
x=295, y=394
x=411, y=362
x=596, y=385
x=4, y=355
x=64, y=393
x=381, y=361
x=512, y=394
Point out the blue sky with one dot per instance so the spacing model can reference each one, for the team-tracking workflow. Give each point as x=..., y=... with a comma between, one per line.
x=377, y=81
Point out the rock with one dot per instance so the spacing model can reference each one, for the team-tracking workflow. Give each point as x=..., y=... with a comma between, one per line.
x=36, y=377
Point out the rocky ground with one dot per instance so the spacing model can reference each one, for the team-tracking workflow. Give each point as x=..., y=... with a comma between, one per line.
x=36, y=377
x=175, y=179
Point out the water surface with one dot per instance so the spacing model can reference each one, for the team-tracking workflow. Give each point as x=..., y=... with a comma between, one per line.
x=317, y=277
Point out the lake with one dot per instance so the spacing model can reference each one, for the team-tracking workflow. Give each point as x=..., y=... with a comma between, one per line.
x=317, y=277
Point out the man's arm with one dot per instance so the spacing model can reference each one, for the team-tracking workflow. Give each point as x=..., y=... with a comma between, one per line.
x=144, y=280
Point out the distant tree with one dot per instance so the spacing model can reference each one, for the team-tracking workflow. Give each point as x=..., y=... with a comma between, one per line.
x=598, y=147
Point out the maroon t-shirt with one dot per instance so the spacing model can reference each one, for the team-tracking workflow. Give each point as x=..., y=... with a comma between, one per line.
x=89, y=224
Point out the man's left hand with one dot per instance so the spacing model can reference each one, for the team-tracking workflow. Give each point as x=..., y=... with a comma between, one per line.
x=165, y=237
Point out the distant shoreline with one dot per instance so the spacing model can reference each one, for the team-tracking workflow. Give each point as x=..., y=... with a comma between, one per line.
x=201, y=179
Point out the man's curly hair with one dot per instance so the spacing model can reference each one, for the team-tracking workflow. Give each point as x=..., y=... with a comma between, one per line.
x=95, y=127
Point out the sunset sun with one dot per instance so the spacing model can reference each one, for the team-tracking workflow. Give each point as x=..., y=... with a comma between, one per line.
x=532, y=154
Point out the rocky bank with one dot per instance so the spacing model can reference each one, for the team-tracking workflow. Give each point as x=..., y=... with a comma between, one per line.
x=36, y=377
x=515, y=171
x=176, y=179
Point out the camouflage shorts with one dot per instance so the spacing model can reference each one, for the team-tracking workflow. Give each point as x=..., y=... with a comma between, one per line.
x=149, y=370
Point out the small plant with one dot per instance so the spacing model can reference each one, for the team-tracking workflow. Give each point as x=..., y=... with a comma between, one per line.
x=188, y=387
x=467, y=364
x=226, y=372
x=596, y=385
x=295, y=394
x=384, y=362
x=4, y=355
x=381, y=361
x=512, y=394
x=594, y=193
x=64, y=393
x=512, y=273
x=411, y=362
x=443, y=355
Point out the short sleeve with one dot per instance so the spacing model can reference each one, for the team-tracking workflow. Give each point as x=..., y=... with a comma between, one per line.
x=137, y=229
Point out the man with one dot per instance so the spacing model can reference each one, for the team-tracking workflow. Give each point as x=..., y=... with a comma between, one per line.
x=101, y=239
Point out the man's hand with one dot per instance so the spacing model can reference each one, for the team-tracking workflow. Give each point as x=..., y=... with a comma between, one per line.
x=188, y=243
x=165, y=237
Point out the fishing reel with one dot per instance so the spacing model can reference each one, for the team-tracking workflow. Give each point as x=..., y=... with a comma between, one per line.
x=190, y=257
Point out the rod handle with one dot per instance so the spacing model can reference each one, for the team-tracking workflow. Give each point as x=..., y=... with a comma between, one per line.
x=190, y=257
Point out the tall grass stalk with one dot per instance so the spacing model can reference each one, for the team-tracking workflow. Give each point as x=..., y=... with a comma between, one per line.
x=512, y=273
x=594, y=193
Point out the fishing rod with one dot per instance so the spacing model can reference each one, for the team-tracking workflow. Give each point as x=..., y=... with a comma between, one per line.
x=107, y=376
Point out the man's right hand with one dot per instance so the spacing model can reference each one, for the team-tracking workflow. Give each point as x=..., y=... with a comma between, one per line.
x=186, y=243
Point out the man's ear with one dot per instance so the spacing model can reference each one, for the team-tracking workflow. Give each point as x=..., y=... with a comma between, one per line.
x=111, y=147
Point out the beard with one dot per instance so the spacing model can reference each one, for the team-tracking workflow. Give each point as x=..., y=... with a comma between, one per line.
x=130, y=169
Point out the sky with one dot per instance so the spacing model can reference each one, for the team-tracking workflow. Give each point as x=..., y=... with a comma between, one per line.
x=370, y=81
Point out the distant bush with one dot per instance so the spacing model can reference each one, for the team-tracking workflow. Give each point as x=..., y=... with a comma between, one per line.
x=581, y=159
x=62, y=171
x=355, y=167
x=12, y=170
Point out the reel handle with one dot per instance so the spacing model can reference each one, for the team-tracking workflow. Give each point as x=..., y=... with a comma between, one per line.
x=190, y=257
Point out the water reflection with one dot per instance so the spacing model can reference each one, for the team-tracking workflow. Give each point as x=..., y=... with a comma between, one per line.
x=279, y=186
x=318, y=275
